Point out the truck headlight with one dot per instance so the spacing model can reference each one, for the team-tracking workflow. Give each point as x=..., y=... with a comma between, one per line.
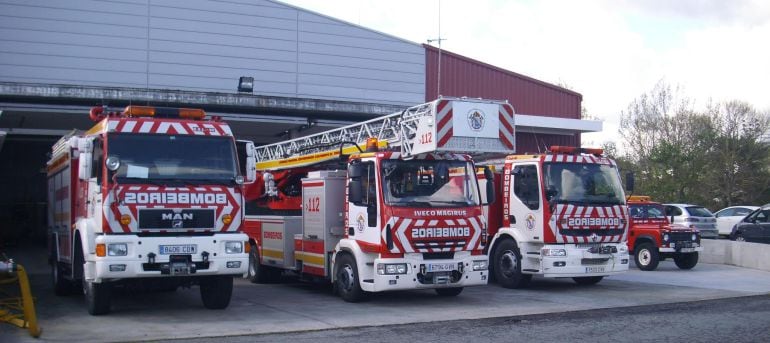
x=555, y=252
x=694, y=237
x=623, y=248
x=391, y=268
x=233, y=247
x=117, y=249
x=665, y=237
x=480, y=265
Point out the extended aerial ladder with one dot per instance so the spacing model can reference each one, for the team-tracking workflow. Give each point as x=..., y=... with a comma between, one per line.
x=475, y=127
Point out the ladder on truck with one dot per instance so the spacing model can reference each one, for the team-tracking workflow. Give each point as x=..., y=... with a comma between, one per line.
x=459, y=125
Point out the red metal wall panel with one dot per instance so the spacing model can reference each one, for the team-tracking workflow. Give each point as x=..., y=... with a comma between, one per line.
x=527, y=142
x=462, y=76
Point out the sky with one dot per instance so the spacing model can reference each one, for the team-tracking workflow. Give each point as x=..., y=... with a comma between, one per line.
x=610, y=51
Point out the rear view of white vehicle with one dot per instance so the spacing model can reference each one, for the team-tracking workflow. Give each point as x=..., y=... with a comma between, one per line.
x=694, y=217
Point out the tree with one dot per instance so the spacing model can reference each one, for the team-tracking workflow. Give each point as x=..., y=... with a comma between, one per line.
x=714, y=158
x=740, y=157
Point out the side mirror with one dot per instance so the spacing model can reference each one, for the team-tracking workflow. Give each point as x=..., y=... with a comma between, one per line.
x=630, y=180
x=490, y=191
x=550, y=193
x=355, y=170
x=86, y=148
x=355, y=191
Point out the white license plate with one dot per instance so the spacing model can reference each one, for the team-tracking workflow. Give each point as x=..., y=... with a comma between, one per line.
x=441, y=267
x=687, y=250
x=594, y=269
x=178, y=249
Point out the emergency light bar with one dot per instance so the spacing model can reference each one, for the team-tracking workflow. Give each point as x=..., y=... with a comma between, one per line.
x=560, y=149
x=97, y=113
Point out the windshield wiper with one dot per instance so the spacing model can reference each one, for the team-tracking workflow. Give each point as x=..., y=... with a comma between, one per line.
x=132, y=180
x=413, y=204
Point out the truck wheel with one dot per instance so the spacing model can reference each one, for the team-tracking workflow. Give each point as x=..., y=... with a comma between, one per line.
x=347, y=282
x=61, y=286
x=646, y=256
x=256, y=270
x=449, y=292
x=587, y=280
x=97, y=297
x=507, y=266
x=686, y=261
x=216, y=291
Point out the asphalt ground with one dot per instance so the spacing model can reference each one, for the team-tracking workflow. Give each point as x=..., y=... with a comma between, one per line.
x=297, y=306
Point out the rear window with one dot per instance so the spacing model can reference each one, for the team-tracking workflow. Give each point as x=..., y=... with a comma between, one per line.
x=699, y=212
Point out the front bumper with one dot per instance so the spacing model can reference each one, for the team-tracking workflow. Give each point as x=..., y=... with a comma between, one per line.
x=580, y=261
x=144, y=258
x=684, y=247
x=418, y=275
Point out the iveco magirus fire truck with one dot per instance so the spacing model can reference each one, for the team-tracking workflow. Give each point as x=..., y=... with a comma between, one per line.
x=561, y=214
x=146, y=196
x=404, y=214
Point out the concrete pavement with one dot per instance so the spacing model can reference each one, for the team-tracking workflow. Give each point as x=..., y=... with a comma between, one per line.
x=303, y=306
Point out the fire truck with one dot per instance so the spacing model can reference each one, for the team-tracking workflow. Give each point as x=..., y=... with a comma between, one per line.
x=561, y=214
x=147, y=196
x=652, y=238
x=405, y=213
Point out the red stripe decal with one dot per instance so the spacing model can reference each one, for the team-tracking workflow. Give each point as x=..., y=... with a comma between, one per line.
x=443, y=121
x=446, y=137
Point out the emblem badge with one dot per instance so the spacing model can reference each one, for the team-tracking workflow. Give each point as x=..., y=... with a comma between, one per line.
x=476, y=119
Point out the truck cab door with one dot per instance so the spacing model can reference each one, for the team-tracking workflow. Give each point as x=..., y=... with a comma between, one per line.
x=363, y=212
x=525, y=203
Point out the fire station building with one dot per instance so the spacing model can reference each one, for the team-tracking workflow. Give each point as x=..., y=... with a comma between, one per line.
x=271, y=70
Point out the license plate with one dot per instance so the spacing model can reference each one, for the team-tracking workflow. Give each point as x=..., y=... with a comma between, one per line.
x=687, y=250
x=594, y=269
x=178, y=249
x=441, y=267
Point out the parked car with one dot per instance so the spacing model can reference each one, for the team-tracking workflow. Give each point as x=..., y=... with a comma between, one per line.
x=754, y=228
x=729, y=216
x=694, y=217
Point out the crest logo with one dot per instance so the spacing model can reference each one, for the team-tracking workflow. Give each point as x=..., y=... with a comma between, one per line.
x=360, y=223
x=594, y=237
x=476, y=119
x=530, y=222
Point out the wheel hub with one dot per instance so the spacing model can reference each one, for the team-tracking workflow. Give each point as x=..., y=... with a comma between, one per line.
x=509, y=263
x=345, y=275
x=644, y=257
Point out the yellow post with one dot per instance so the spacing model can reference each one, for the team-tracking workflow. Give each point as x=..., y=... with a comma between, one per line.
x=25, y=304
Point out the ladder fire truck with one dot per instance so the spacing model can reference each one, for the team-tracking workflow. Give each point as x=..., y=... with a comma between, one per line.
x=404, y=214
x=149, y=196
x=561, y=214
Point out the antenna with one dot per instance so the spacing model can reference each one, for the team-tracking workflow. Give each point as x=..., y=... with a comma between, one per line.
x=439, y=39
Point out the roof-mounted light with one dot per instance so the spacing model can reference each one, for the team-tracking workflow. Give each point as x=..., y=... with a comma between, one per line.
x=164, y=112
x=560, y=149
x=372, y=144
x=639, y=198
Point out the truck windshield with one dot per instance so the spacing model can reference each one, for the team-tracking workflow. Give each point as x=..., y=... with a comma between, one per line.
x=197, y=159
x=429, y=183
x=583, y=183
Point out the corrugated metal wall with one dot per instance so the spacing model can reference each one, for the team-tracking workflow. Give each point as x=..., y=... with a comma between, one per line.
x=206, y=45
x=462, y=76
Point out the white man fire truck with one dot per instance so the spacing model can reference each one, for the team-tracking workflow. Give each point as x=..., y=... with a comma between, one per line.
x=405, y=214
x=147, y=197
x=561, y=214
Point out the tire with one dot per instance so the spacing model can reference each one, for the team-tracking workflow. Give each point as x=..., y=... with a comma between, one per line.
x=507, y=266
x=61, y=286
x=97, y=295
x=739, y=238
x=449, y=292
x=346, y=280
x=646, y=256
x=587, y=280
x=259, y=273
x=216, y=291
x=686, y=261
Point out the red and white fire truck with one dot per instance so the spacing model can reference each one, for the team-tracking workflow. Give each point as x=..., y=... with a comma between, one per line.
x=561, y=214
x=404, y=214
x=146, y=196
